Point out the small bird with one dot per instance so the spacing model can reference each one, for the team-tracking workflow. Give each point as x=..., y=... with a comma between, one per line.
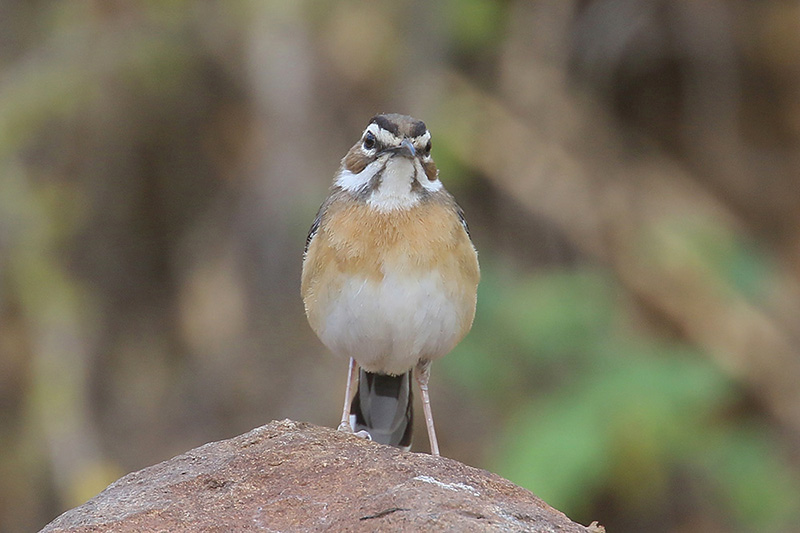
x=390, y=276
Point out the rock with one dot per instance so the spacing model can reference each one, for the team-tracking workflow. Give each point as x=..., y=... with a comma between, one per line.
x=289, y=476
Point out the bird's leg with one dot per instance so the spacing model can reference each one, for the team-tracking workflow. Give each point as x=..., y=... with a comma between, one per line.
x=422, y=374
x=352, y=375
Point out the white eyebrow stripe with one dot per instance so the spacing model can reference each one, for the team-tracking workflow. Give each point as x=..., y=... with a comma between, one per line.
x=387, y=138
x=384, y=137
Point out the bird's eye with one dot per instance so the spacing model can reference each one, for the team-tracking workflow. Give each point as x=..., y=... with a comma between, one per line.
x=428, y=148
x=369, y=141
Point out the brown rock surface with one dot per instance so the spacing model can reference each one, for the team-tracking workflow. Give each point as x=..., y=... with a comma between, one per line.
x=289, y=476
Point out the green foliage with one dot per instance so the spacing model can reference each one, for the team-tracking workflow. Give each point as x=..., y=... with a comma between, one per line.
x=748, y=470
x=740, y=264
x=595, y=409
x=475, y=24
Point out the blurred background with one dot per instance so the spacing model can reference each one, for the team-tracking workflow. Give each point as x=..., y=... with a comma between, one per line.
x=629, y=169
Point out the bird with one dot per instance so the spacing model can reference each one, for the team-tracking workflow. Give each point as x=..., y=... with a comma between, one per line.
x=389, y=277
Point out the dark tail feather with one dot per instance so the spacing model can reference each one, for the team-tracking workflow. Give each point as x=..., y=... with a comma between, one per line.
x=383, y=407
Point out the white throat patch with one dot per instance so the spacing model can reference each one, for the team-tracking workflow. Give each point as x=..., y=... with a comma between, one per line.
x=394, y=190
x=396, y=180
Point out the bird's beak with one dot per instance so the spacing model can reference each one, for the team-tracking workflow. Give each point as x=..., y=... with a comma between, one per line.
x=406, y=149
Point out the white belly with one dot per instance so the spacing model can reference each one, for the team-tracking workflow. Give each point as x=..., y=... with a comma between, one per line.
x=389, y=325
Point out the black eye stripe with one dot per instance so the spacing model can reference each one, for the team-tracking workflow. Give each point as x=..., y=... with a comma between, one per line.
x=378, y=141
x=370, y=141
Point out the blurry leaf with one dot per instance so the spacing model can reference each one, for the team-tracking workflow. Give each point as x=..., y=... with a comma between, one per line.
x=556, y=449
x=708, y=247
x=35, y=96
x=759, y=489
x=556, y=319
x=156, y=66
x=472, y=363
x=618, y=426
x=749, y=269
x=475, y=23
x=629, y=413
x=455, y=128
x=470, y=366
x=560, y=313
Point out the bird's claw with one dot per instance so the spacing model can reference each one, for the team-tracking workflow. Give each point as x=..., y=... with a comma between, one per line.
x=345, y=427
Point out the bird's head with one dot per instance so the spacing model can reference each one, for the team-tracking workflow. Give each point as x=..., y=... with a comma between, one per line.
x=391, y=164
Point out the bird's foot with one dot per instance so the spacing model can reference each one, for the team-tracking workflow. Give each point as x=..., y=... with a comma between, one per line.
x=345, y=427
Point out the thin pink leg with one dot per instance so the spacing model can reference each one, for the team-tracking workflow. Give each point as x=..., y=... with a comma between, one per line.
x=422, y=375
x=352, y=375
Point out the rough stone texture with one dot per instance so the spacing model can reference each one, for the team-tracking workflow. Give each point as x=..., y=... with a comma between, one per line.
x=289, y=476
